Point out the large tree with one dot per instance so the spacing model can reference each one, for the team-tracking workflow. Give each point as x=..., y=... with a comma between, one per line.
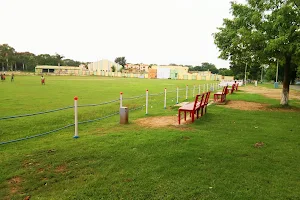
x=260, y=31
x=205, y=67
x=121, y=61
x=225, y=72
x=7, y=56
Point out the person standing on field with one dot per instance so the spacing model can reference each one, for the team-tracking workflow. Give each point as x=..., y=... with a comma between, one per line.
x=43, y=80
x=12, y=77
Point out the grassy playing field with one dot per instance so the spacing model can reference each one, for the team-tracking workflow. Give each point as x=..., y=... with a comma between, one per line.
x=213, y=158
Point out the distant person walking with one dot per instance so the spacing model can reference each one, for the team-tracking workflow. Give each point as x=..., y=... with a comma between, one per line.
x=3, y=77
x=12, y=77
x=43, y=80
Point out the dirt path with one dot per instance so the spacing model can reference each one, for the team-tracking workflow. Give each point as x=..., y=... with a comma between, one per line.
x=295, y=87
x=270, y=93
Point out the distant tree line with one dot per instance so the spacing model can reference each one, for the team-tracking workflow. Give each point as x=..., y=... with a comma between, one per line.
x=11, y=60
x=211, y=67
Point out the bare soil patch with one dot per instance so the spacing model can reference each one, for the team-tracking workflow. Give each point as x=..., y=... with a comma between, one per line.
x=61, y=169
x=156, y=122
x=244, y=105
x=14, y=186
x=271, y=93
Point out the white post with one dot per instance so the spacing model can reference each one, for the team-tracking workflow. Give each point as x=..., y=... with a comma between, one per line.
x=146, y=102
x=194, y=91
x=165, y=100
x=199, y=90
x=213, y=87
x=207, y=87
x=186, y=92
x=121, y=99
x=177, y=96
x=76, y=117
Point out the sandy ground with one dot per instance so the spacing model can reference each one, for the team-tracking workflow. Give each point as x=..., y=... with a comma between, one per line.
x=271, y=93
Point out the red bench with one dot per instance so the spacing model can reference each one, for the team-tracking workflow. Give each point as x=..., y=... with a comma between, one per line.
x=230, y=90
x=221, y=95
x=205, y=103
x=236, y=87
x=201, y=102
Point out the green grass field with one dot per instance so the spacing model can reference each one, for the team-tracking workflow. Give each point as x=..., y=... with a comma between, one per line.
x=213, y=158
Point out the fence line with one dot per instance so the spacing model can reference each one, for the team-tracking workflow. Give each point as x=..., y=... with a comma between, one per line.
x=38, y=113
x=99, y=104
x=152, y=101
x=97, y=119
x=37, y=135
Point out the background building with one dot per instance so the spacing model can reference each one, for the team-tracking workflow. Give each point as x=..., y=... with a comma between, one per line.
x=102, y=66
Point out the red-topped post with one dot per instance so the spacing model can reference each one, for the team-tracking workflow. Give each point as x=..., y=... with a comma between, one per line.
x=146, y=102
x=177, y=95
x=121, y=99
x=76, y=117
x=165, y=100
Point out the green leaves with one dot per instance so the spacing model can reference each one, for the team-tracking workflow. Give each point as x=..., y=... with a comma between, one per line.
x=259, y=30
x=121, y=61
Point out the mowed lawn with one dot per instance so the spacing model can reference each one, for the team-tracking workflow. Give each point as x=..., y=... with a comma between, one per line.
x=213, y=158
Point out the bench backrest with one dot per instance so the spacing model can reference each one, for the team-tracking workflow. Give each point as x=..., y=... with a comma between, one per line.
x=232, y=88
x=207, y=98
x=224, y=91
x=198, y=100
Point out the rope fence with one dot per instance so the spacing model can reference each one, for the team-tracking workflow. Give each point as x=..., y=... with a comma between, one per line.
x=147, y=102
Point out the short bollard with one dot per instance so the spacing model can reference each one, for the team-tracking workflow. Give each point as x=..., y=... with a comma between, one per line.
x=76, y=117
x=123, y=115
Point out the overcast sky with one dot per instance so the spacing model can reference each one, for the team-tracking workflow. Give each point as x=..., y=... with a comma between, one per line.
x=144, y=31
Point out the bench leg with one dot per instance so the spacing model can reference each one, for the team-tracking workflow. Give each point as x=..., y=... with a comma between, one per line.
x=193, y=115
x=184, y=115
x=178, y=116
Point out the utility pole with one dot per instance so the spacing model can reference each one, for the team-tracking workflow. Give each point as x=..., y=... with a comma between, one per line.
x=277, y=72
x=261, y=78
x=245, y=74
x=276, y=83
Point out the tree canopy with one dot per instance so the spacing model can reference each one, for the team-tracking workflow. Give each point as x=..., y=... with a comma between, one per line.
x=260, y=32
x=121, y=61
x=13, y=60
x=205, y=67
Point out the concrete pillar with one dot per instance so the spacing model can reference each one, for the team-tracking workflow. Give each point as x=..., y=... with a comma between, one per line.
x=123, y=115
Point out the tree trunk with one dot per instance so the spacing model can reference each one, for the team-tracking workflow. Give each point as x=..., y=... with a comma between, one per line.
x=23, y=67
x=286, y=81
